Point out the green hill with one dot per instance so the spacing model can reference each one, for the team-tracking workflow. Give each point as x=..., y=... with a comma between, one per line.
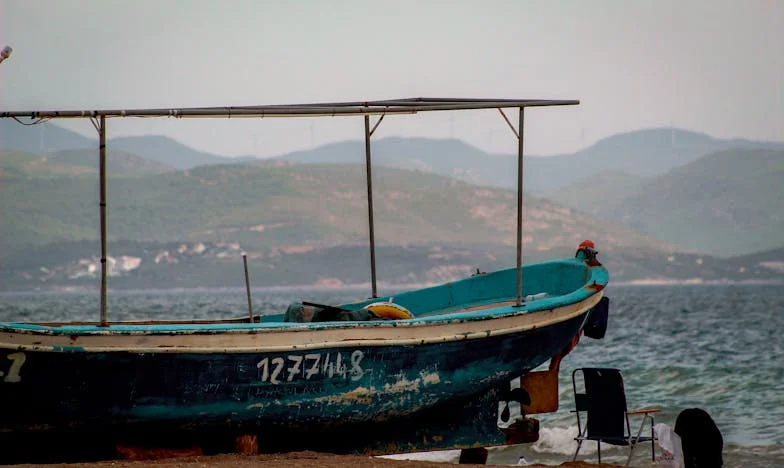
x=726, y=203
x=264, y=205
x=599, y=188
x=306, y=224
x=599, y=194
x=170, y=152
x=449, y=157
x=118, y=162
x=645, y=153
x=74, y=162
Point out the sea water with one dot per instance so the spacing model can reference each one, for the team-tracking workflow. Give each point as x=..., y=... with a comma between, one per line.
x=719, y=348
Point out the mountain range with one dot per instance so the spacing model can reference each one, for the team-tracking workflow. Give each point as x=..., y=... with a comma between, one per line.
x=641, y=153
x=706, y=198
x=264, y=204
x=645, y=153
x=730, y=202
x=45, y=139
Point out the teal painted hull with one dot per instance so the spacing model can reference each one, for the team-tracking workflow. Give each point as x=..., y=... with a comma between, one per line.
x=465, y=344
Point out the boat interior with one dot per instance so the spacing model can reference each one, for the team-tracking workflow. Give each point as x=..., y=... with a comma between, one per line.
x=547, y=285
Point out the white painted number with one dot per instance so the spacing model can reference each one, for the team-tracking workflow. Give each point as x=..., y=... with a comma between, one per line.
x=295, y=368
x=17, y=359
x=314, y=366
x=265, y=373
x=264, y=366
x=340, y=368
x=356, y=369
x=278, y=363
x=305, y=367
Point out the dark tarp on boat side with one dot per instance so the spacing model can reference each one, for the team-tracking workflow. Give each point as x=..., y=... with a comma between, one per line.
x=596, y=326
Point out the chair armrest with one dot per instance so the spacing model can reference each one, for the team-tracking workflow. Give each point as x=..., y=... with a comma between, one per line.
x=644, y=411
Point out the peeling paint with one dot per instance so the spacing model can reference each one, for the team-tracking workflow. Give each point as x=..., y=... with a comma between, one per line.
x=360, y=395
x=431, y=378
x=403, y=385
x=367, y=395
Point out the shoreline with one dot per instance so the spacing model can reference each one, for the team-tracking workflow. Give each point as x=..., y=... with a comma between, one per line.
x=283, y=460
x=652, y=282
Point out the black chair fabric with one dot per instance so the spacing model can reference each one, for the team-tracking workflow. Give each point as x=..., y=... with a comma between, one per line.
x=606, y=406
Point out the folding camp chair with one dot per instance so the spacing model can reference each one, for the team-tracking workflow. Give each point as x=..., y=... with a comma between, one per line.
x=607, y=418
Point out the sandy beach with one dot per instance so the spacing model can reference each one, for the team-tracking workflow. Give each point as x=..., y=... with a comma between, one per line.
x=285, y=460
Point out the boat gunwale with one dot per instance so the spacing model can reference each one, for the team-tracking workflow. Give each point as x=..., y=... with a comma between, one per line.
x=597, y=278
x=561, y=314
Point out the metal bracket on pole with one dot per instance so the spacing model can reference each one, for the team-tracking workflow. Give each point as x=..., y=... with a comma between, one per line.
x=373, y=130
x=508, y=122
x=369, y=177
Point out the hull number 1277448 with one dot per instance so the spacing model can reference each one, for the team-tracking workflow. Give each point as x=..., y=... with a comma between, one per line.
x=306, y=367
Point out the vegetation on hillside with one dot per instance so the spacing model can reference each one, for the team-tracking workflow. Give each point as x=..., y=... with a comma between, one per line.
x=265, y=205
x=726, y=203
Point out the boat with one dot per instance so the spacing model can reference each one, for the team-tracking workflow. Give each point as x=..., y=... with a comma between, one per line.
x=430, y=368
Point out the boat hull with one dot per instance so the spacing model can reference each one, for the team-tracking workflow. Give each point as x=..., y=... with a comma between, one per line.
x=327, y=386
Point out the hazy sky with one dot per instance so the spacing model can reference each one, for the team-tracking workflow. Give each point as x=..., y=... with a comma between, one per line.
x=711, y=66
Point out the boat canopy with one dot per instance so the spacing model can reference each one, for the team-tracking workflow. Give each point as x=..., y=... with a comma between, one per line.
x=324, y=109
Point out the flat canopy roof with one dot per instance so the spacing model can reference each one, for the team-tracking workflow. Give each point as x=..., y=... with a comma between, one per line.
x=328, y=109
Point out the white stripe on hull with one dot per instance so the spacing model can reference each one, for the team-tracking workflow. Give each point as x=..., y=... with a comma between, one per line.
x=260, y=340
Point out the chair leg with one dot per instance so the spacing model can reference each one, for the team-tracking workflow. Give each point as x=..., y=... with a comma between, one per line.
x=579, y=439
x=579, y=444
x=633, y=442
x=599, y=450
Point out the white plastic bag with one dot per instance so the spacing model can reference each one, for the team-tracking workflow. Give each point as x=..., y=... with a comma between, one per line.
x=670, y=444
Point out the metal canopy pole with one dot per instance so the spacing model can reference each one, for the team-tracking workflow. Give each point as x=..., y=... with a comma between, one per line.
x=405, y=106
x=369, y=177
x=102, y=164
x=519, y=301
x=247, y=287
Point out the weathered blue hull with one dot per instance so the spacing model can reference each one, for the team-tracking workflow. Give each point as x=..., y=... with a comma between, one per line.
x=435, y=380
x=316, y=387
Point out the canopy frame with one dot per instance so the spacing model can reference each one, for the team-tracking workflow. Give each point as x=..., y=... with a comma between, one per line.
x=331, y=109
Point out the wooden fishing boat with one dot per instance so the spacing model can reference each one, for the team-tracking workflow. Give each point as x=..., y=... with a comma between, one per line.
x=424, y=369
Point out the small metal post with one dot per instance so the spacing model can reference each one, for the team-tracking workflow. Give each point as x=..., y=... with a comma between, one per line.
x=519, y=301
x=247, y=287
x=370, y=206
x=102, y=189
x=653, y=439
